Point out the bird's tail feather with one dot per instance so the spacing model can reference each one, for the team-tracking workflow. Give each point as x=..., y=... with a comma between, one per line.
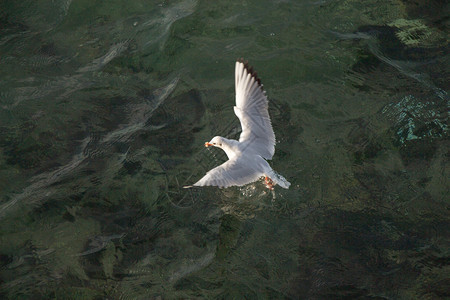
x=280, y=180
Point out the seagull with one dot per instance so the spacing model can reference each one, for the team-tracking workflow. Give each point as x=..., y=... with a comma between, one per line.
x=246, y=157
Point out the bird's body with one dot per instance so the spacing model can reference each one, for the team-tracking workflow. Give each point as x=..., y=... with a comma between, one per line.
x=247, y=157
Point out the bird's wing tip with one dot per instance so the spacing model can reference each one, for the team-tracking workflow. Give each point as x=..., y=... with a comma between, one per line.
x=249, y=69
x=187, y=186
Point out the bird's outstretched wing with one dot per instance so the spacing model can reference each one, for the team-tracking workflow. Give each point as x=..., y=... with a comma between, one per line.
x=252, y=110
x=231, y=173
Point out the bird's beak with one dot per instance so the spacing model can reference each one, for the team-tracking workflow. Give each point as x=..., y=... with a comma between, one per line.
x=208, y=144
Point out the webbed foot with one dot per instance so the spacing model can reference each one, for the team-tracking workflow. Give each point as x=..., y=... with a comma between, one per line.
x=269, y=183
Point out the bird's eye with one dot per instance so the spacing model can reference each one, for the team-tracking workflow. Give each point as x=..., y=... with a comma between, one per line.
x=220, y=145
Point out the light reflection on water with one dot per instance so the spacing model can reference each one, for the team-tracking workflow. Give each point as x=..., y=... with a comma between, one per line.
x=104, y=110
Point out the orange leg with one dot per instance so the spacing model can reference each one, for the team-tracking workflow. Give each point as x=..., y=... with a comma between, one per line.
x=269, y=183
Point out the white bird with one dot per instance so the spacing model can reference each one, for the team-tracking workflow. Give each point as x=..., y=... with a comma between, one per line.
x=247, y=157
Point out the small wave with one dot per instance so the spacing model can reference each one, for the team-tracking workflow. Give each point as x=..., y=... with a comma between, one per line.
x=102, y=61
x=39, y=188
x=140, y=113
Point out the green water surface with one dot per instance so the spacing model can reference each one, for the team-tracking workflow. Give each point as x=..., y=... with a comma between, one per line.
x=104, y=110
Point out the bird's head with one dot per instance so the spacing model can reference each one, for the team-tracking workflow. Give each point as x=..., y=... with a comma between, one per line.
x=217, y=141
